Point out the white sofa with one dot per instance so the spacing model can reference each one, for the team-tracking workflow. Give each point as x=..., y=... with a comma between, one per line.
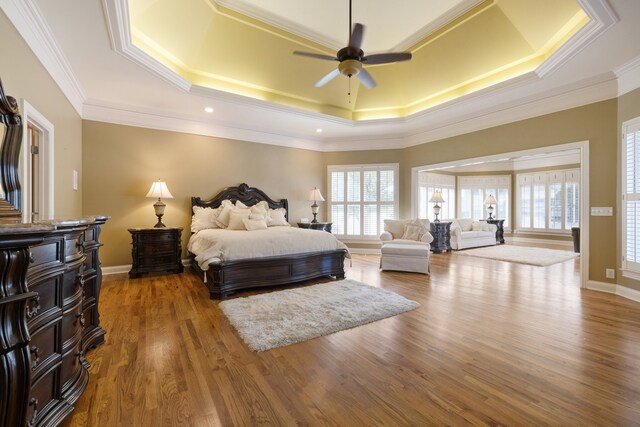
x=410, y=253
x=467, y=233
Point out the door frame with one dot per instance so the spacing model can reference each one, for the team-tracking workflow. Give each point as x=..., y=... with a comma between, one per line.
x=31, y=116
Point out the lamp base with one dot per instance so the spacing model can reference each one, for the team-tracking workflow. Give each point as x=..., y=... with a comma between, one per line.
x=314, y=220
x=159, y=224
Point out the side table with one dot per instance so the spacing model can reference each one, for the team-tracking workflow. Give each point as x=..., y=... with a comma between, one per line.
x=500, y=231
x=441, y=232
x=326, y=226
x=155, y=250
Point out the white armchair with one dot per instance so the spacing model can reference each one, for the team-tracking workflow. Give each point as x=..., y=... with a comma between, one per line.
x=406, y=245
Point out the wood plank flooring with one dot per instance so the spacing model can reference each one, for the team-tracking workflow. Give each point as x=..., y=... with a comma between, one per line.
x=493, y=343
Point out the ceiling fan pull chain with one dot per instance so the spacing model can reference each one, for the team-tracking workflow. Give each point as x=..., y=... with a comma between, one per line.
x=349, y=93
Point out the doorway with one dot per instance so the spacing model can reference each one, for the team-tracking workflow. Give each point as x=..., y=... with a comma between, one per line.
x=580, y=147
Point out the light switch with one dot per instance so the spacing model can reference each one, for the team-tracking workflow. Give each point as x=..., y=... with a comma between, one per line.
x=601, y=211
x=75, y=180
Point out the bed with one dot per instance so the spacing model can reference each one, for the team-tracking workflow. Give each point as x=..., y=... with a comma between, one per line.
x=226, y=276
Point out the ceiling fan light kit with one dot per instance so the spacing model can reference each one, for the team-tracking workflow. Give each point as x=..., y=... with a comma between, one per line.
x=352, y=58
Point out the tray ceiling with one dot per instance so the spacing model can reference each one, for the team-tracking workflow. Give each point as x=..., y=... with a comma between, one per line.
x=245, y=47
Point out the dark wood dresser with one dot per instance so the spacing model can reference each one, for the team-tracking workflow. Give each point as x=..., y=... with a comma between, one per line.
x=156, y=250
x=52, y=278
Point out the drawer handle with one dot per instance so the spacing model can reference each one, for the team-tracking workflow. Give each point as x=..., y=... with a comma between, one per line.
x=81, y=316
x=33, y=402
x=36, y=351
x=32, y=258
x=33, y=311
x=80, y=246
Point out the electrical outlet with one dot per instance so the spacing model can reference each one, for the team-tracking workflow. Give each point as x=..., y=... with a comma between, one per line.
x=611, y=273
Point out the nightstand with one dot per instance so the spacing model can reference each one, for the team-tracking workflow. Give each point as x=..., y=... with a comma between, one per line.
x=441, y=232
x=500, y=231
x=155, y=250
x=326, y=226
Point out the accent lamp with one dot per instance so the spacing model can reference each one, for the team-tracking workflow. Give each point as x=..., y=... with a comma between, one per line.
x=436, y=198
x=490, y=200
x=159, y=189
x=315, y=196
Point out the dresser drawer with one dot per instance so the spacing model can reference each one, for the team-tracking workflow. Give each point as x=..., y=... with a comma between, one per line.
x=72, y=323
x=71, y=369
x=44, y=396
x=49, y=300
x=158, y=237
x=45, y=348
x=50, y=253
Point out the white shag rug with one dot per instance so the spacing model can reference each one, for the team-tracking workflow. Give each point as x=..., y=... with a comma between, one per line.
x=521, y=254
x=286, y=317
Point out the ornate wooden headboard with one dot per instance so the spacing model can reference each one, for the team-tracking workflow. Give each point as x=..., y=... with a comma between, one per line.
x=243, y=193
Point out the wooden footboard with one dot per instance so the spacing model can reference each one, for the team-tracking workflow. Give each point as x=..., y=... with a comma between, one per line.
x=225, y=278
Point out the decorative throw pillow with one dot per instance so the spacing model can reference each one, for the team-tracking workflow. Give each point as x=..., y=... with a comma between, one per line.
x=277, y=217
x=476, y=226
x=236, y=218
x=225, y=211
x=411, y=232
x=254, y=224
x=203, y=218
x=241, y=205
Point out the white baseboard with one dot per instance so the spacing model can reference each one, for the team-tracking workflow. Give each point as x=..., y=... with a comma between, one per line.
x=562, y=243
x=609, y=288
x=629, y=293
x=118, y=269
x=613, y=288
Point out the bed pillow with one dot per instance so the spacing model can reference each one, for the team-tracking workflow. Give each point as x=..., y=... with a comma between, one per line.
x=241, y=205
x=204, y=218
x=236, y=218
x=277, y=217
x=254, y=224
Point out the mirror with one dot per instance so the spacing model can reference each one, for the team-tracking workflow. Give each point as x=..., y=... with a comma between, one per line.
x=11, y=133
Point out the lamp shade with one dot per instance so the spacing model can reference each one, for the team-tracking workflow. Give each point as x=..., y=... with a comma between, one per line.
x=490, y=200
x=436, y=197
x=315, y=195
x=159, y=189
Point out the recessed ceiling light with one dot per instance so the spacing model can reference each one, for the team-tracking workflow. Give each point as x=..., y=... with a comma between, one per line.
x=209, y=109
x=319, y=130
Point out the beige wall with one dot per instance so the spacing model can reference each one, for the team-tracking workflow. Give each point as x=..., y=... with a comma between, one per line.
x=122, y=162
x=24, y=77
x=628, y=108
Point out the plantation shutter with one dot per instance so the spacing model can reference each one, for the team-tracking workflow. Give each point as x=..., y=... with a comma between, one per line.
x=631, y=196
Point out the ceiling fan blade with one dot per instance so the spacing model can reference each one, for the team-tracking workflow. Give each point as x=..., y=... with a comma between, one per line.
x=355, y=39
x=386, y=58
x=366, y=79
x=316, y=55
x=326, y=79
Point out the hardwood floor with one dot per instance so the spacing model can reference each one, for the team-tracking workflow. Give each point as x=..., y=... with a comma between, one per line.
x=492, y=343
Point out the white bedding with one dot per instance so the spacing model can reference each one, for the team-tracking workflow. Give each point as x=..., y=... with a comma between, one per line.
x=215, y=245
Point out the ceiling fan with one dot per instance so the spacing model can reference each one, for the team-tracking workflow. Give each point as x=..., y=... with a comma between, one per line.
x=352, y=58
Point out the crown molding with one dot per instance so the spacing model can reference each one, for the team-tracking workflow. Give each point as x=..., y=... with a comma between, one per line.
x=117, y=15
x=601, y=18
x=140, y=117
x=628, y=76
x=27, y=18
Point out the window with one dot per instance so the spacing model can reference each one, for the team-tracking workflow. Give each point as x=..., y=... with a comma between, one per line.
x=446, y=185
x=361, y=198
x=631, y=199
x=549, y=201
x=475, y=189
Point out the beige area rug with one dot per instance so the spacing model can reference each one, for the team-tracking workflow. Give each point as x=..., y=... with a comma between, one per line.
x=286, y=317
x=521, y=254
